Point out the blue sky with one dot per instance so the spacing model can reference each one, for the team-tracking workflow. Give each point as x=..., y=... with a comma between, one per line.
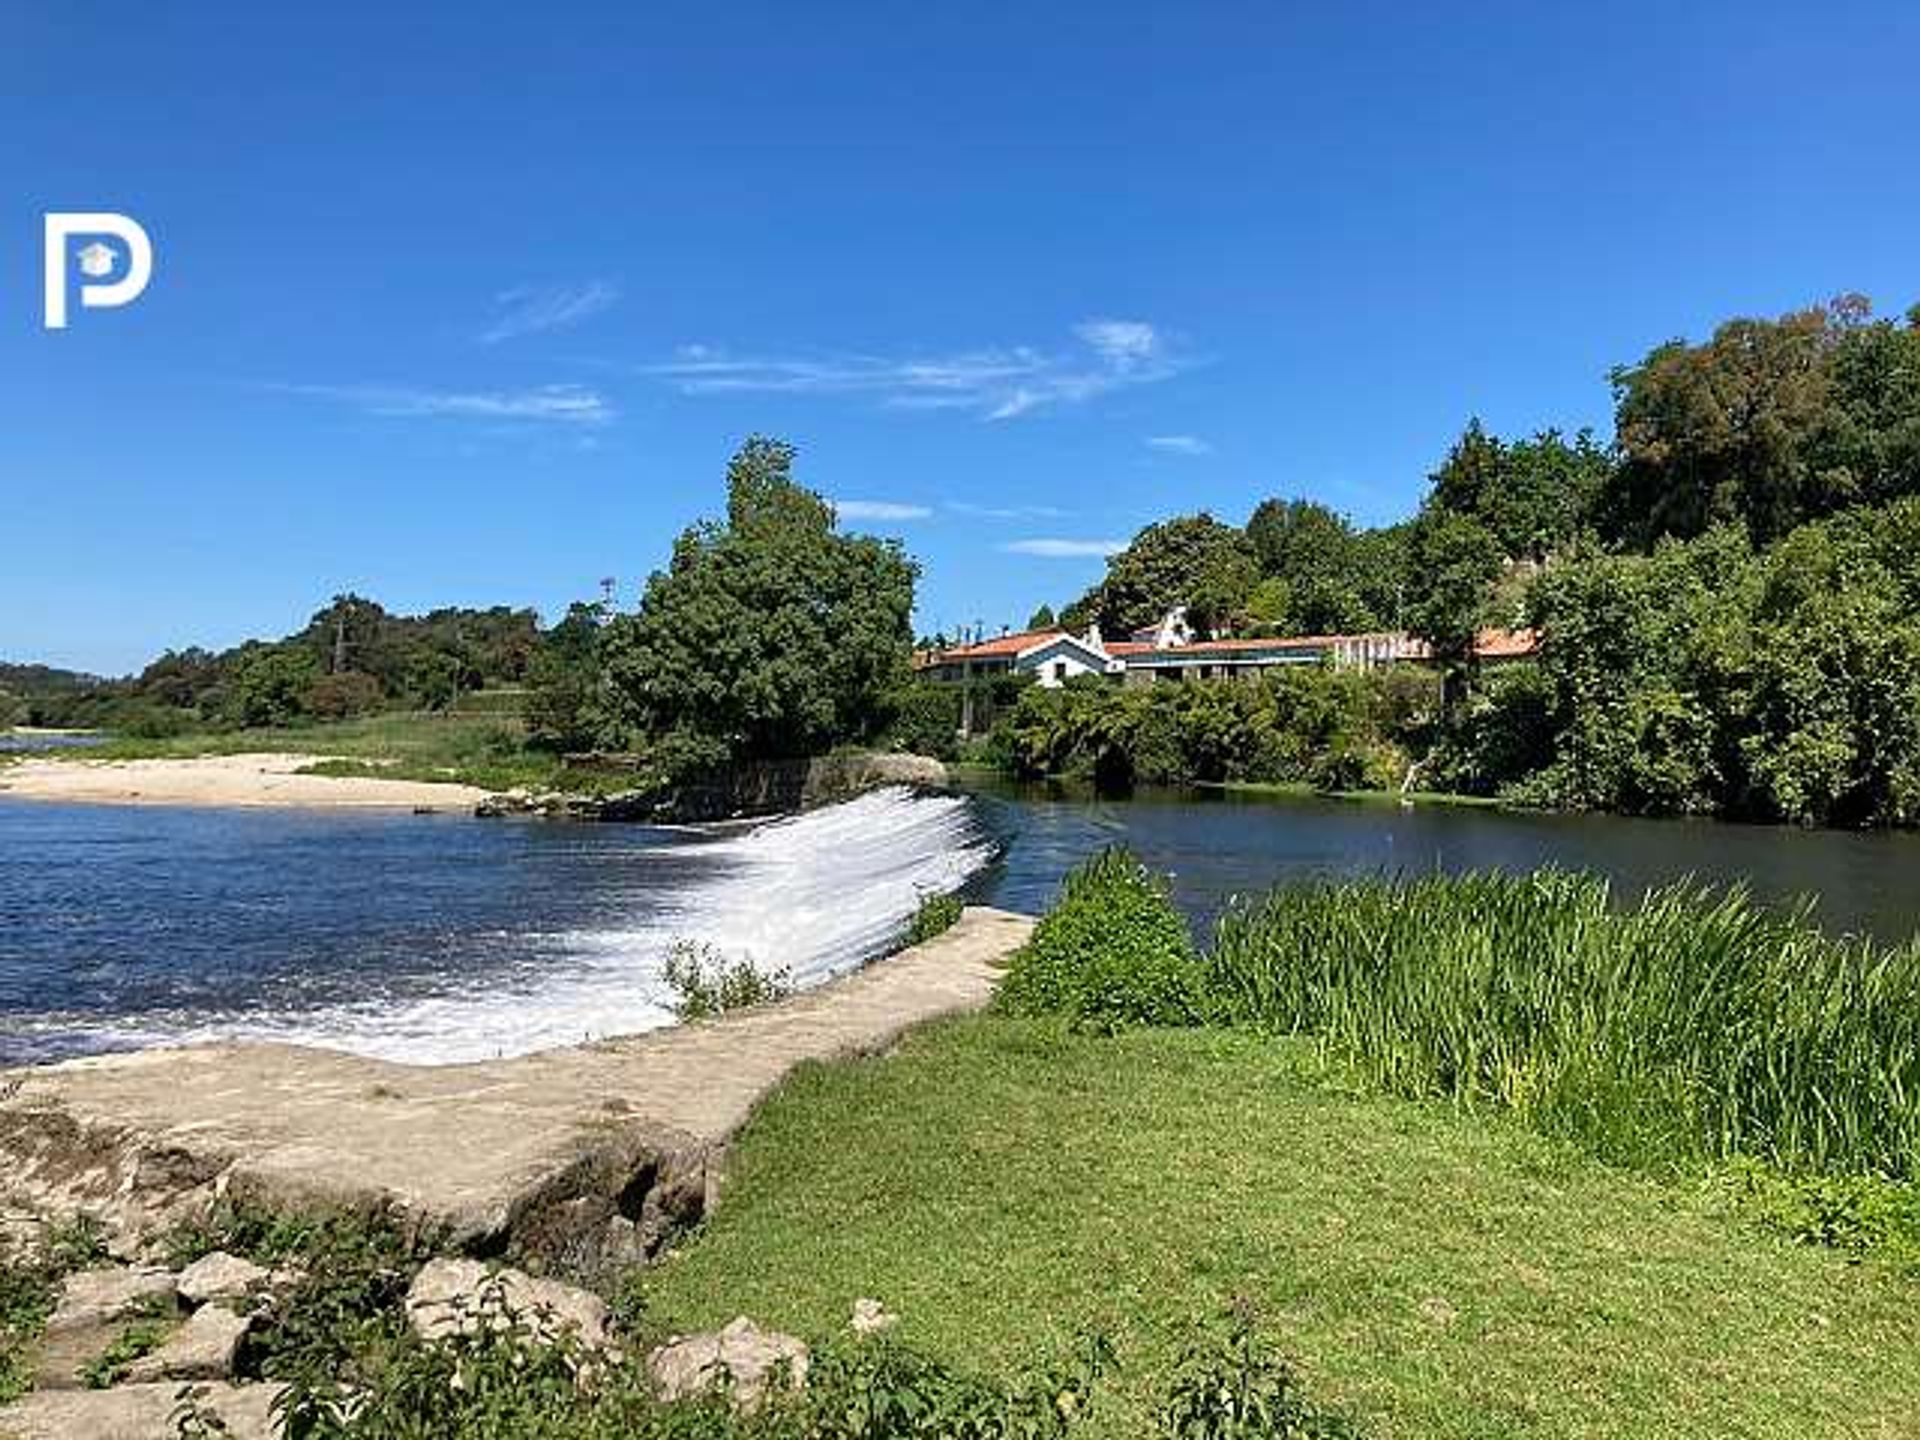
x=471, y=305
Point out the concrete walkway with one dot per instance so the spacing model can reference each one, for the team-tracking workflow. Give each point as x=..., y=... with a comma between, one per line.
x=595, y=1152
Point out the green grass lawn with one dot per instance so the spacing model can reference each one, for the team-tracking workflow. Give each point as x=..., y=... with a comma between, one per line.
x=999, y=1183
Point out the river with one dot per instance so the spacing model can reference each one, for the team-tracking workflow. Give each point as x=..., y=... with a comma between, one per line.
x=436, y=938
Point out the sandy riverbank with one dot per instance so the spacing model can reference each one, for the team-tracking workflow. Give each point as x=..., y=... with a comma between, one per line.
x=221, y=780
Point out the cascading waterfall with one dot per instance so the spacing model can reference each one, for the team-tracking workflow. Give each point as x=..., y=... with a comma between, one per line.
x=812, y=895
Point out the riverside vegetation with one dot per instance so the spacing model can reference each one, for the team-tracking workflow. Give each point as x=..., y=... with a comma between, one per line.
x=1475, y=1157
x=1726, y=599
x=769, y=635
x=1690, y=1030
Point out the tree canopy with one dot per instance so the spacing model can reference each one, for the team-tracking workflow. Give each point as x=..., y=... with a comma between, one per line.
x=770, y=634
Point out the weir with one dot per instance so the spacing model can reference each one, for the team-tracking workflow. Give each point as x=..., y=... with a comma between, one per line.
x=581, y=1156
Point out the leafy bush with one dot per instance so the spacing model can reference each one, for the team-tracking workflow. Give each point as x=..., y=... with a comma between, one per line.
x=937, y=915
x=496, y=1383
x=26, y=1300
x=354, y=1271
x=1331, y=728
x=342, y=696
x=705, y=983
x=926, y=720
x=1113, y=952
x=1853, y=1213
x=1230, y=1385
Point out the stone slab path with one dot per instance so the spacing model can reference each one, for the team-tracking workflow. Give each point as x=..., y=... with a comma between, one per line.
x=597, y=1150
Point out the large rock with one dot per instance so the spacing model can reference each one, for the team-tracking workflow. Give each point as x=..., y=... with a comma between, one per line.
x=92, y=1298
x=220, y=1276
x=202, y=1349
x=454, y=1297
x=135, y=1412
x=741, y=1354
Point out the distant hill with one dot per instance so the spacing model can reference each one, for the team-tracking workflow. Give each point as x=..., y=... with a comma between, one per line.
x=44, y=679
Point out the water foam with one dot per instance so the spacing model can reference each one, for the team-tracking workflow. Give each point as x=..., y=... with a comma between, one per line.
x=813, y=895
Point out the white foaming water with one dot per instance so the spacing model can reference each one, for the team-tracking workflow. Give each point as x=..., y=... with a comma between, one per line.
x=814, y=895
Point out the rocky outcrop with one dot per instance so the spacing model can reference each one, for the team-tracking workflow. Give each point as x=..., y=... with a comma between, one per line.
x=742, y=1357
x=588, y=1158
x=221, y=1276
x=137, y=1412
x=751, y=788
x=204, y=1348
x=96, y=1297
x=458, y=1297
x=97, y=1310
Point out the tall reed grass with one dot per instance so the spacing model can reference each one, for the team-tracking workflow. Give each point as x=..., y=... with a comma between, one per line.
x=1692, y=1025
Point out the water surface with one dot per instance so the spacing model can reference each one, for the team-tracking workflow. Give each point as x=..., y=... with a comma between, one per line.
x=435, y=938
x=1218, y=844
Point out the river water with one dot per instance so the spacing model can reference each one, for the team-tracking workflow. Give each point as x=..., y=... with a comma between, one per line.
x=435, y=938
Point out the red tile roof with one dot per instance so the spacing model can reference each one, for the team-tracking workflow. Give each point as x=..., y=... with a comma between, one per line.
x=1493, y=644
x=1506, y=644
x=1001, y=647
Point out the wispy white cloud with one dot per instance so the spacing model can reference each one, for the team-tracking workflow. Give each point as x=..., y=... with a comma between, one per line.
x=880, y=510
x=530, y=309
x=996, y=383
x=1065, y=549
x=555, y=404
x=1179, y=444
x=1006, y=512
x=1123, y=344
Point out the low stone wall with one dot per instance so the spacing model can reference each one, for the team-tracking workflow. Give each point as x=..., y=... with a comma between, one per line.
x=585, y=1156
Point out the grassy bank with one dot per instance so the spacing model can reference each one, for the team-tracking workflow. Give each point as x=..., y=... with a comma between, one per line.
x=1002, y=1182
x=483, y=748
x=1691, y=1026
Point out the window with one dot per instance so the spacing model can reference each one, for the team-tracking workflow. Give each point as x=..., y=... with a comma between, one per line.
x=1059, y=670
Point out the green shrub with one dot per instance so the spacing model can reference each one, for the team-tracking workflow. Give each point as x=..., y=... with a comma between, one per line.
x=1113, y=952
x=29, y=1286
x=937, y=915
x=26, y=1300
x=926, y=720
x=706, y=984
x=1230, y=1385
x=495, y=1383
x=1853, y=1213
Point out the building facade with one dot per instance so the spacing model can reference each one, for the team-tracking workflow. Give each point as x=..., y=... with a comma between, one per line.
x=1168, y=653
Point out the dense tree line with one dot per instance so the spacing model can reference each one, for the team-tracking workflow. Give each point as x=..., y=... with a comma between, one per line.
x=1306, y=725
x=351, y=658
x=1767, y=425
x=1714, y=677
x=1728, y=610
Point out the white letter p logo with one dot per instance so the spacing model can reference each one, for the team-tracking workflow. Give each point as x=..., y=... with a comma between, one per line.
x=97, y=260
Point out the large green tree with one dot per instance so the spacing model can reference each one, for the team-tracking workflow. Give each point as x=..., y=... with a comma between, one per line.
x=1315, y=556
x=768, y=634
x=1770, y=423
x=1533, y=496
x=1454, y=560
x=1190, y=560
